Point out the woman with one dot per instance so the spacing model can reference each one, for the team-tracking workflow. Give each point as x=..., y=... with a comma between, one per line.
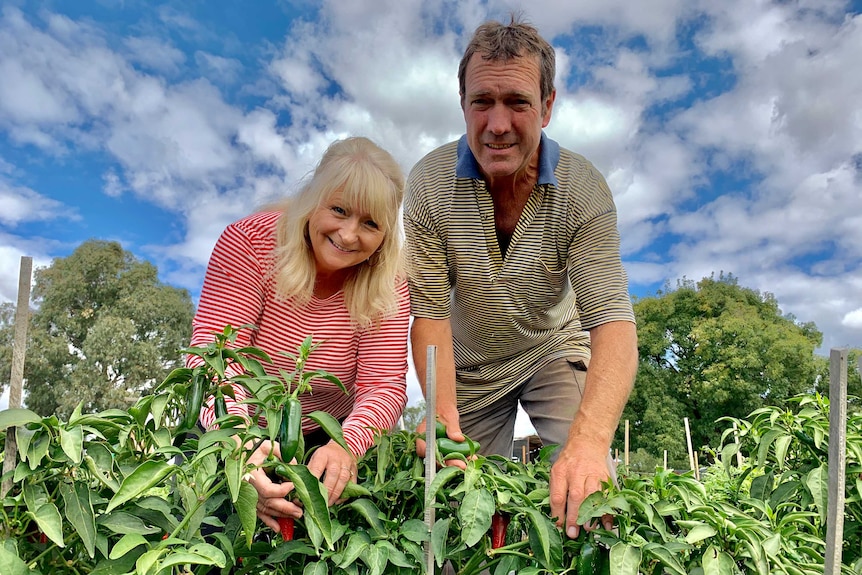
x=325, y=263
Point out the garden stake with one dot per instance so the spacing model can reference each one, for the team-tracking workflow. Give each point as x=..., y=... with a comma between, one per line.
x=430, y=448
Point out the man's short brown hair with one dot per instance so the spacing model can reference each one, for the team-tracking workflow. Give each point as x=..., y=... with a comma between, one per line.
x=500, y=42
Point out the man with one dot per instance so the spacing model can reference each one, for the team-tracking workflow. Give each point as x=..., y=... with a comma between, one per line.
x=516, y=274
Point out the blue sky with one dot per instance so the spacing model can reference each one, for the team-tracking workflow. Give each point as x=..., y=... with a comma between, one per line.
x=730, y=132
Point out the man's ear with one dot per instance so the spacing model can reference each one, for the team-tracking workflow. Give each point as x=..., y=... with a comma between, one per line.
x=548, y=107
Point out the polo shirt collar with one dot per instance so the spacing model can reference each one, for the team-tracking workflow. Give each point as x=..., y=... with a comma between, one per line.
x=549, y=157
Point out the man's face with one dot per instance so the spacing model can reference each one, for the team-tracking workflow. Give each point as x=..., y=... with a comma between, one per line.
x=505, y=114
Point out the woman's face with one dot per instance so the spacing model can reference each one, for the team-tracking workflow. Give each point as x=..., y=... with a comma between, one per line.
x=342, y=237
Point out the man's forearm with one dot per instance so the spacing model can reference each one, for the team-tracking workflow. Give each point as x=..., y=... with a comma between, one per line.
x=610, y=377
x=423, y=333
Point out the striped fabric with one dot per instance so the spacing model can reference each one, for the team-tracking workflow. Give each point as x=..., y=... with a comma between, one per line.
x=562, y=274
x=372, y=364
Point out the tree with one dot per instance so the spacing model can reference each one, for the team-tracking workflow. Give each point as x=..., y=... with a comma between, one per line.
x=413, y=415
x=854, y=377
x=104, y=330
x=713, y=349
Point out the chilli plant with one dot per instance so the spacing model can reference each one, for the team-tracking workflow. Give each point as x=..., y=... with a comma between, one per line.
x=147, y=491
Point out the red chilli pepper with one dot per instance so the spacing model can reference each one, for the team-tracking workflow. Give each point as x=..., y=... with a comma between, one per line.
x=286, y=525
x=499, y=524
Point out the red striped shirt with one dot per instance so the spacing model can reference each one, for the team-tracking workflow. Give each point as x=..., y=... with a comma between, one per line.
x=371, y=363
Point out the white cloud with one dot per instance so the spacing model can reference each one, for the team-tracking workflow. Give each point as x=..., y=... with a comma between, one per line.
x=153, y=53
x=790, y=120
x=853, y=319
x=19, y=204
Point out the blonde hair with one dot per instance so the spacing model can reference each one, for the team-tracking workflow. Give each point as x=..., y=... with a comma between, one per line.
x=369, y=180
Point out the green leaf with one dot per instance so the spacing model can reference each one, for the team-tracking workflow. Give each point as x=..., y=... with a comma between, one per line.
x=316, y=568
x=699, y=533
x=439, y=535
x=545, y=539
x=125, y=544
x=183, y=557
x=817, y=482
x=10, y=563
x=442, y=476
x=17, y=417
x=78, y=509
x=625, y=559
x=122, y=522
x=148, y=560
x=331, y=426
x=659, y=552
x=246, y=506
x=781, y=445
x=358, y=541
x=375, y=557
x=311, y=492
x=144, y=477
x=415, y=530
x=38, y=448
x=233, y=470
x=369, y=511
x=475, y=513
x=49, y=521
x=72, y=442
x=35, y=495
x=717, y=562
x=765, y=443
x=761, y=486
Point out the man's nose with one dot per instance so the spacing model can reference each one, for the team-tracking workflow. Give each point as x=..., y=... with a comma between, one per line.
x=499, y=120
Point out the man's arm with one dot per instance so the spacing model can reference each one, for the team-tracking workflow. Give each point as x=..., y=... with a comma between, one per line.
x=583, y=462
x=438, y=332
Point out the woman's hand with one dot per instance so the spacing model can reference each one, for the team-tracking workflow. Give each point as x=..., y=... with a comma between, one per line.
x=336, y=466
x=272, y=500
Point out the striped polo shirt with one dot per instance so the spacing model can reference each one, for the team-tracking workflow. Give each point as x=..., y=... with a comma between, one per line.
x=561, y=276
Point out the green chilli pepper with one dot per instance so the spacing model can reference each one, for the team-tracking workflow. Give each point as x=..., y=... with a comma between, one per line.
x=448, y=447
x=194, y=401
x=291, y=429
x=220, y=406
x=439, y=429
x=587, y=559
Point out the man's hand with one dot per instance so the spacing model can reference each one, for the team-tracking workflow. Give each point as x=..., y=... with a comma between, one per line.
x=453, y=432
x=578, y=472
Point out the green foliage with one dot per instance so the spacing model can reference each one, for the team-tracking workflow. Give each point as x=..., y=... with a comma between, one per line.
x=133, y=491
x=709, y=350
x=104, y=331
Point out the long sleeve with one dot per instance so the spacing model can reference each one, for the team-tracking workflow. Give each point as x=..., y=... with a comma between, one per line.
x=381, y=388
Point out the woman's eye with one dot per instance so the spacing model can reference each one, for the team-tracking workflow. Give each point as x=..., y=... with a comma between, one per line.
x=372, y=224
x=338, y=210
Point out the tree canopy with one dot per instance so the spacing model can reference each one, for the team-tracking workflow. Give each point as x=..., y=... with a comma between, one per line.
x=103, y=331
x=711, y=349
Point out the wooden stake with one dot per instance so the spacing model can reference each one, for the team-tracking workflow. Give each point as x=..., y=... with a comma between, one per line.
x=665, y=460
x=430, y=448
x=837, y=457
x=688, y=441
x=16, y=380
